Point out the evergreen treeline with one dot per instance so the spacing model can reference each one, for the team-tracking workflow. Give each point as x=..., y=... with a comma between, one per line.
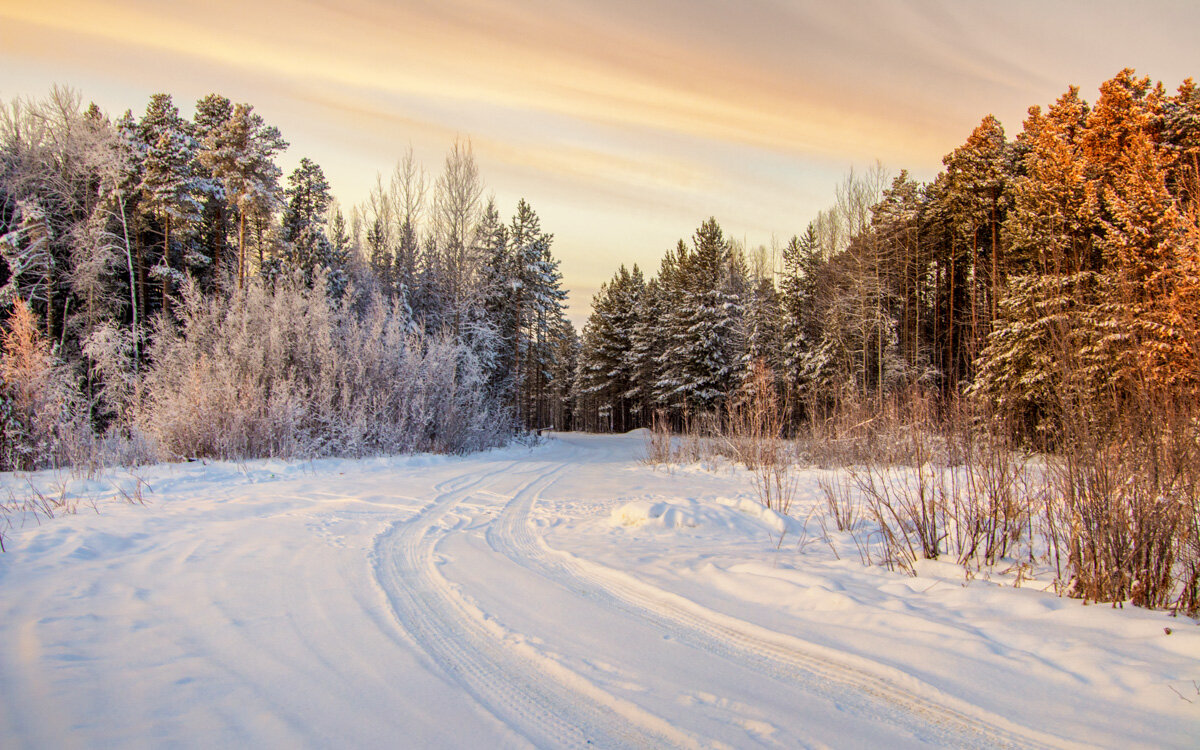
x=1058, y=270
x=169, y=293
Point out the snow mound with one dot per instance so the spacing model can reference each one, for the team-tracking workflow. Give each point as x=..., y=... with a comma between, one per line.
x=743, y=515
x=662, y=514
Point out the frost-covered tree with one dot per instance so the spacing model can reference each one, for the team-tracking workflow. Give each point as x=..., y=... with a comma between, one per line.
x=457, y=205
x=539, y=303
x=169, y=184
x=606, y=369
x=307, y=247
x=703, y=357
x=286, y=370
x=240, y=152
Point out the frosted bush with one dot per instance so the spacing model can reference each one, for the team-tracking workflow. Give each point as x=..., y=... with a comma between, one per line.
x=285, y=372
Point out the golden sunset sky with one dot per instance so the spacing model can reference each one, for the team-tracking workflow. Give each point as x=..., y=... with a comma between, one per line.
x=624, y=123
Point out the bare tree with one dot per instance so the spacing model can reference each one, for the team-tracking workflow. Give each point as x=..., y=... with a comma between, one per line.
x=457, y=207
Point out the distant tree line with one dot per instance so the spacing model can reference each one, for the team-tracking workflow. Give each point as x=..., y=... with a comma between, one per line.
x=1062, y=266
x=1052, y=271
x=161, y=279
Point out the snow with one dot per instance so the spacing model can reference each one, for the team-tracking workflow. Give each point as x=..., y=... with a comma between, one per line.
x=558, y=596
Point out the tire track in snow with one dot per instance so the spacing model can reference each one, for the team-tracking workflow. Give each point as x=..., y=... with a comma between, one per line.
x=543, y=701
x=939, y=720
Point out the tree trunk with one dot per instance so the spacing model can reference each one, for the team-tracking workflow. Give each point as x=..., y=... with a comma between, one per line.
x=974, y=293
x=132, y=286
x=951, y=354
x=995, y=270
x=143, y=298
x=241, y=249
x=216, y=260
x=166, y=279
x=517, y=365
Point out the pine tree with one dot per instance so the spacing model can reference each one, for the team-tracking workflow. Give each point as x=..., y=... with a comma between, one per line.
x=169, y=184
x=897, y=223
x=647, y=339
x=764, y=320
x=500, y=287
x=339, y=236
x=1096, y=206
x=1050, y=227
x=978, y=173
x=212, y=112
x=307, y=197
x=669, y=330
x=241, y=152
x=1181, y=134
x=547, y=315
x=566, y=360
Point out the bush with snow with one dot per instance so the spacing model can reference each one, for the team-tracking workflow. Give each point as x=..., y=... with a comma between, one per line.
x=282, y=371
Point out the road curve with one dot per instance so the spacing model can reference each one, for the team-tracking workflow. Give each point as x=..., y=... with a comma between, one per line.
x=550, y=706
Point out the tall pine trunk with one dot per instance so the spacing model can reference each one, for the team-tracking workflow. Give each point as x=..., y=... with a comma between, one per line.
x=143, y=297
x=241, y=249
x=166, y=279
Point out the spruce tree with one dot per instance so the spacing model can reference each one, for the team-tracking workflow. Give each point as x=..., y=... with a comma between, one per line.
x=308, y=248
x=704, y=343
x=607, y=369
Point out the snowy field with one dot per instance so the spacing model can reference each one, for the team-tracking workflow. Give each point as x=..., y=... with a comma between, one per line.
x=562, y=596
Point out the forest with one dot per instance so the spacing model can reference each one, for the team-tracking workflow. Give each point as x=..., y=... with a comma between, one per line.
x=1004, y=356
x=169, y=295
x=1061, y=264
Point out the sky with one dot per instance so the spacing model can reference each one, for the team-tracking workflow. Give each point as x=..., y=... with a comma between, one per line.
x=624, y=123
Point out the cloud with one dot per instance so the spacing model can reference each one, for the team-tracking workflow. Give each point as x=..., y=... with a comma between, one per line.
x=549, y=63
x=646, y=113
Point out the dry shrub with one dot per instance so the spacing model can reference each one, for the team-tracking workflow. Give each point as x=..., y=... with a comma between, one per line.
x=40, y=407
x=750, y=433
x=658, y=441
x=936, y=479
x=698, y=439
x=701, y=438
x=843, y=434
x=34, y=504
x=754, y=436
x=1127, y=482
x=997, y=489
x=841, y=502
x=902, y=489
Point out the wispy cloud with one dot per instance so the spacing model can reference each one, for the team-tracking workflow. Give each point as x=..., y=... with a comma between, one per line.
x=664, y=110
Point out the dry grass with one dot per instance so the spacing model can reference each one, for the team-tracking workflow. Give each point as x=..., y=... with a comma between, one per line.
x=33, y=504
x=1111, y=507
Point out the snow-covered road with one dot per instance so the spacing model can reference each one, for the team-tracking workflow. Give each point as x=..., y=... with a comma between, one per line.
x=564, y=596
